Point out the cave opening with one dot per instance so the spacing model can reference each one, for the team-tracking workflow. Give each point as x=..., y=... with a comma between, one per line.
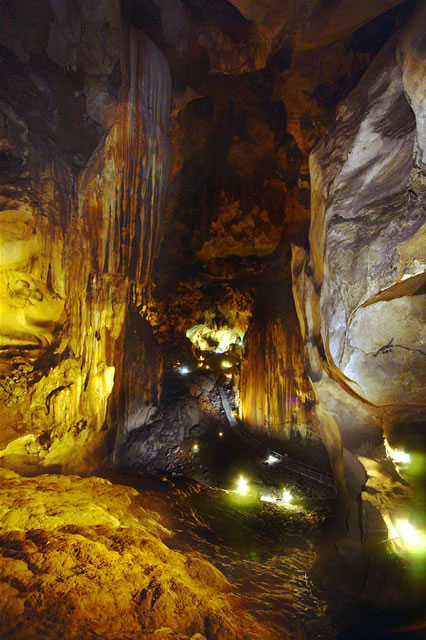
x=212, y=312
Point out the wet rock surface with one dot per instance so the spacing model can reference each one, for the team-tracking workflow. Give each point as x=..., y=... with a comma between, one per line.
x=140, y=556
x=191, y=412
x=86, y=560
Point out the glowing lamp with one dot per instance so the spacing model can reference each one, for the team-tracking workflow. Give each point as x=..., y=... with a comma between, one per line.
x=268, y=499
x=412, y=539
x=183, y=370
x=272, y=459
x=195, y=448
x=398, y=456
x=287, y=497
x=228, y=375
x=225, y=364
x=220, y=434
x=242, y=486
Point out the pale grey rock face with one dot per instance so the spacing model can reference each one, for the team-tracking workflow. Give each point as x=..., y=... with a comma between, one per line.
x=412, y=55
x=368, y=207
x=385, y=350
x=359, y=291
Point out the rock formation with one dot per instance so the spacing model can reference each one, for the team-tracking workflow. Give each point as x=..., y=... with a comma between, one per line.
x=77, y=244
x=275, y=392
x=100, y=561
x=162, y=162
x=359, y=291
x=360, y=287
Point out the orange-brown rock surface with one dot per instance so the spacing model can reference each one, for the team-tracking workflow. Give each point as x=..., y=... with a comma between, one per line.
x=275, y=394
x=82, y=558
x=80, y=225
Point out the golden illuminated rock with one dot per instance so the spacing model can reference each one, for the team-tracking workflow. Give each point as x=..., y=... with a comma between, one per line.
x=29, y=312
x=85, y=550
x=275, y=392
x=18, y=240
x=70, y=250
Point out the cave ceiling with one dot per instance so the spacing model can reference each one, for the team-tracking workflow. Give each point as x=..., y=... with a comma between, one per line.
x=254, y=86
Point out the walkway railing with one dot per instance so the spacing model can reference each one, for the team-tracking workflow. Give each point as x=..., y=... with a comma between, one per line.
x=302, y=469
x=319, y=475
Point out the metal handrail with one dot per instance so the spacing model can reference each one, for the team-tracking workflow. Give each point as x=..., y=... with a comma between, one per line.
x=301, y=464
x=323, y=477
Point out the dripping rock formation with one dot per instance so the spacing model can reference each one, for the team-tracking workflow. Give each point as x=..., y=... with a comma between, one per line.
x=212, y=254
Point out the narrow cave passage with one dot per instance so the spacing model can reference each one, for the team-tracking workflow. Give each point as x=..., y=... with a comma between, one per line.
x=212, y=312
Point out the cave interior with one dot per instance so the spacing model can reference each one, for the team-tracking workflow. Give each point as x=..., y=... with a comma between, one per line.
x=212, y=319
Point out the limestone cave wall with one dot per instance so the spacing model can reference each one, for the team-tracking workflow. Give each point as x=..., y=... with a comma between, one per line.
x=359, y=289
x=81, y=200
x=246, y=113
x=85, y=161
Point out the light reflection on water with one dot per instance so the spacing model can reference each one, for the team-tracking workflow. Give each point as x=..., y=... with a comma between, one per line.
x=266, y=552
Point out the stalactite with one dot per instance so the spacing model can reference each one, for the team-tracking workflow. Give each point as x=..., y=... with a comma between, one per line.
x=122, y=190
x=274, y=388
x=120, y=202
x=87, y=257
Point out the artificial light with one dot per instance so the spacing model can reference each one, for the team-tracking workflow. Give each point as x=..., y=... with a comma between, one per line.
x=287, y=497
x=242, y=485
x=398, y=456
x=412, y=539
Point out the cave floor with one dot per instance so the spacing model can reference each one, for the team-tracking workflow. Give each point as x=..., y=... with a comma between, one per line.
x=144, y=556
x=264, y=550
